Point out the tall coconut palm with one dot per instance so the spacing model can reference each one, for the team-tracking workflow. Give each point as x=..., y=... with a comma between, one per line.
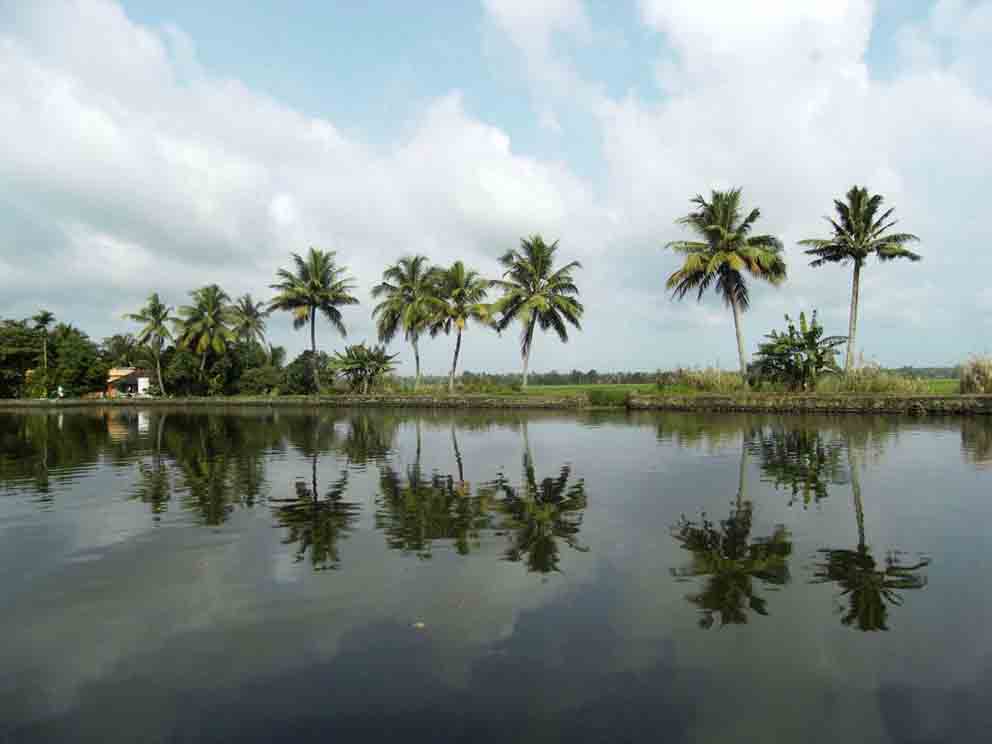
x=858, y=232
x=724, y=254
x=463, y=293
x=204, y=326
x=42, y=320
x=537, y=294
x=155, y=318
x=248, y=319
x=409, y=302
x=315, y=285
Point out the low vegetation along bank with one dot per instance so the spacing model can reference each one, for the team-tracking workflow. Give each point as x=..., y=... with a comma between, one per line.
x=617, y=399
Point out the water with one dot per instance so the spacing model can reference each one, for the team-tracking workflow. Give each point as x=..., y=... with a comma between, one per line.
x=260, y=575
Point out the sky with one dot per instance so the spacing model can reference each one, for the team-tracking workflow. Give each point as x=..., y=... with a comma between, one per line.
x=157, y=147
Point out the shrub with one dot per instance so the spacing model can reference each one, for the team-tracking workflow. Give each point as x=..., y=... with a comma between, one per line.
x=798, y=356
x=607, y=397
x=976, y=375
x=260, y=381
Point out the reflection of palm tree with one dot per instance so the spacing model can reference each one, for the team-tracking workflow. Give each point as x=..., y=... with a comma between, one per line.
x=154, y=485
x=415, y=511
x=868, y=588
x=317, y=524
x=732, y=561
x=221, y=463
x=799, y=460
x=369, y=439
x=539, y=514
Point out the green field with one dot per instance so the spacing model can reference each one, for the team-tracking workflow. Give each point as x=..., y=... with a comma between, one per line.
x=936, y=386
x=566, y=391
x=944, y=386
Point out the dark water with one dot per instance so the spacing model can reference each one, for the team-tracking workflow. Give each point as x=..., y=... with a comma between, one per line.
x=276, y=575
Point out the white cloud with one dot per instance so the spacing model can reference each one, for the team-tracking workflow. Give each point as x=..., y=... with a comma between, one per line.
x=163, y=177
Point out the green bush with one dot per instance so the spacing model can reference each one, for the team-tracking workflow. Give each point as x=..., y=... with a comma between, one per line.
x=261, y=381
x=607, y=397
x=976, y=375
x=796, y=357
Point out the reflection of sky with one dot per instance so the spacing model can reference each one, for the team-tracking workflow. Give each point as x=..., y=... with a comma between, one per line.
x=115, y=623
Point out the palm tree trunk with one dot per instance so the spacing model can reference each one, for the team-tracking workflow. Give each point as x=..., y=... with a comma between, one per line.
x=203, y=362
x=859, y=507
x=458, y=455
x=740, y=339
x=454, y=362
x=416, y=357
x=44, y=349
x=741, y=474
x=313, y=349
x=852, y=327
x=158, y=369
x=527, y=347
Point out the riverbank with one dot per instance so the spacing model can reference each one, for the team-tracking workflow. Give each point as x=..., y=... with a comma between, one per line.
x=752, y=403
x=920, y=405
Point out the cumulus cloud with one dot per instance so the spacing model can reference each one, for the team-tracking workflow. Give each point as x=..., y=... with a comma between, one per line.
x=128, y=167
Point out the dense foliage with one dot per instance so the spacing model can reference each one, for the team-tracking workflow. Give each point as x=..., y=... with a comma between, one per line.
x=799, y=355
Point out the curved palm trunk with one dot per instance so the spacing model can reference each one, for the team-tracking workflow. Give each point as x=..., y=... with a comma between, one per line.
x=740, y=339
x=527, y=347
x=859, y=507
x=454, y=362
x=416, y=357
x=158, y=370
x=852, y=327
x=458, y=455
x=741, y=474
x=313, y=349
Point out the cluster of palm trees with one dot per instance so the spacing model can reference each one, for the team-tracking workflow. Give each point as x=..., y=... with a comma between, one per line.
x=414, y=299
x=727, y=251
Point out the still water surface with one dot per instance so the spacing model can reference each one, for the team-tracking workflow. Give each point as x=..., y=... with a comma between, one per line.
x=263, y=575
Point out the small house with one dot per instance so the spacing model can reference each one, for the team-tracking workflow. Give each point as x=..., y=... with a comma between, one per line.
x=125, y=382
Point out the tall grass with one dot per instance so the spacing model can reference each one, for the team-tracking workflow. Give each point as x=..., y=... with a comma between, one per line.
x=871, y=379
x=707, y=380
x=976, y=375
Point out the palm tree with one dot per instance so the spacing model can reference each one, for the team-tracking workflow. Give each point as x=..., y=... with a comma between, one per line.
x=42, y=320
x=725, y=252
x=276, y=356
x=409, y=292
x=537, y=294
x=859, y=232
x=463, y=293
x=248, y=319
x=317, y=284
x=155, y=318
x=121, y=349
x=204, y=326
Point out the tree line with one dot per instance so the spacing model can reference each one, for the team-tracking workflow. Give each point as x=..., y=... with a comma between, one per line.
x=210, y=344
